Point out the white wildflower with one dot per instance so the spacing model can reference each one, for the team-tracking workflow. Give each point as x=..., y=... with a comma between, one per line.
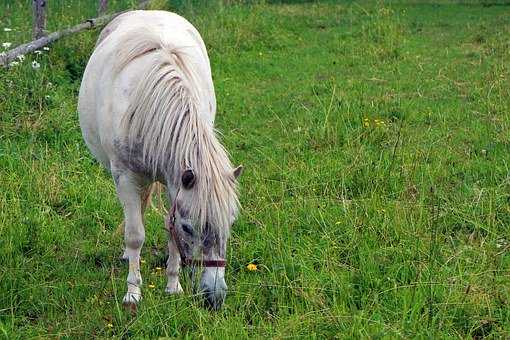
x=7, y=29
x=13, y=63
x=46, y=48
x=35, y=65
x=38, y=52
x=6, y=45
x=21, y=57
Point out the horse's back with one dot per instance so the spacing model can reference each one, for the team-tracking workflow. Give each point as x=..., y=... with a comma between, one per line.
x=105, y=93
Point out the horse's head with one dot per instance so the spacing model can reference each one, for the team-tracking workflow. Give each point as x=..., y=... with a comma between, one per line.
x=202, y=223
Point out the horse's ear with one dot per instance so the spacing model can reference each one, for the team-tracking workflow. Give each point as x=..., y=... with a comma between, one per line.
x=188, y=179
x=238, y=171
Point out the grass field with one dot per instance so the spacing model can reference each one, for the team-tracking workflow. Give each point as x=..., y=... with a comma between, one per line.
x=376, y=196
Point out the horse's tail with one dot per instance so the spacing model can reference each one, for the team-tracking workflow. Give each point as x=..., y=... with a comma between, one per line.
x=169, y=92
x=155, y=189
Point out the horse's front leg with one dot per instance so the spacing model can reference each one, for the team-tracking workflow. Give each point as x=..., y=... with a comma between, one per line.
x=146, y=196
x=172, y=269
x=129, y=189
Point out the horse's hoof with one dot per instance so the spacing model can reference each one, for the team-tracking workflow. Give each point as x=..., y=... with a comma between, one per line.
x=130, y=307
x=175, y=289
x=130, y=301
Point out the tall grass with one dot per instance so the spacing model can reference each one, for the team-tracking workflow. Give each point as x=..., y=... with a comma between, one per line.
x=376, y=141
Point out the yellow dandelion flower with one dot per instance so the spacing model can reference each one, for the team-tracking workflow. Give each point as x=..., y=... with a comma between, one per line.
x=251, y=267
x=151, y=285
x=109, y=325
x=159, y=268
x=366, y=124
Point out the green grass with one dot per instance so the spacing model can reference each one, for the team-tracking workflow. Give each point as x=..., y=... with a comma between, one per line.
x=376, y=196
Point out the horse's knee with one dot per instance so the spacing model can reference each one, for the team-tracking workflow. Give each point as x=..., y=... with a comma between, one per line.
x=134, y=238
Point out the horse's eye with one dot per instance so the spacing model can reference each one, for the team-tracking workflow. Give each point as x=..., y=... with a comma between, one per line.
x=187, y=229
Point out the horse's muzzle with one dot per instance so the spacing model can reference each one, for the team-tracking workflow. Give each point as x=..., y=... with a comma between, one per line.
x=213, y=288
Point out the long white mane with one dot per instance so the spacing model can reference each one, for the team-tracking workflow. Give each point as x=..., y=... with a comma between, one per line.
x=165, y=118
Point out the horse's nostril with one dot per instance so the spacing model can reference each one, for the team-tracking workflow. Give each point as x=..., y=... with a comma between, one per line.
x=214, y=287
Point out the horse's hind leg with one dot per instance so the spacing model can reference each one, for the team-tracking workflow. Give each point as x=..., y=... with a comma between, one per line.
x=129, y=193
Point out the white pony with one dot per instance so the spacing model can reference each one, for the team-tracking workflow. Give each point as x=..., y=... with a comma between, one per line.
x=147, y=108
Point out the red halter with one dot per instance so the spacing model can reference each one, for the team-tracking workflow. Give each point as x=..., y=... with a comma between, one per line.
x=170, y=222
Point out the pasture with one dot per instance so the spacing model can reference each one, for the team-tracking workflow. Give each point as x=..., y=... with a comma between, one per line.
x=376, y=194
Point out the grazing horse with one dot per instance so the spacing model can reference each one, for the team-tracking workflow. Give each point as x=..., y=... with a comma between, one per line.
x=147, y=108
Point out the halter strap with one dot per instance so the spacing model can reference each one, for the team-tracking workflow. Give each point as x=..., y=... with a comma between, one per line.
x=170, y=223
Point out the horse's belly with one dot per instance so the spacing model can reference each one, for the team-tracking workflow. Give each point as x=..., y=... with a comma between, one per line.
x=95, y=147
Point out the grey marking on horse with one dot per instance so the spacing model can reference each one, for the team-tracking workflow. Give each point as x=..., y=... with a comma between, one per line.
x=131, y=156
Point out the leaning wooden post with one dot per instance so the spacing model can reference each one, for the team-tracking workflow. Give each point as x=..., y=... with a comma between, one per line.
x=8, y=56
x=103, y=6
x=39, y=9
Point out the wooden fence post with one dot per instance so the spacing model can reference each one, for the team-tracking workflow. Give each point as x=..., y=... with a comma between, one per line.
x=103, y=6
x=39, y=9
